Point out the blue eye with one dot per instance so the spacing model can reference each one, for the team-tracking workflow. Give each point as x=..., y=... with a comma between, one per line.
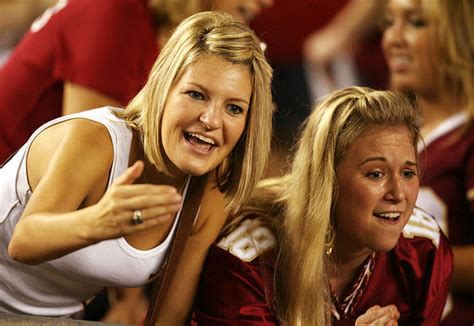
x=408, y=173
x=374, y=175
x=386, y=22
x=418, y=22
x=195, y=95
x=235, y=109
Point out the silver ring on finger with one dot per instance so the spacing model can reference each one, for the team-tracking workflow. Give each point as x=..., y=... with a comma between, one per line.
x=137, y=217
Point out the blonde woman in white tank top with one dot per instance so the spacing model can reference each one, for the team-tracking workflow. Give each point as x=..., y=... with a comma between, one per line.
x=90, y=201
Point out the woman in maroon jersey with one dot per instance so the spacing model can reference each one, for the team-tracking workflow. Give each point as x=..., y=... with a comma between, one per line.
x=429, y=48
x=337, y=239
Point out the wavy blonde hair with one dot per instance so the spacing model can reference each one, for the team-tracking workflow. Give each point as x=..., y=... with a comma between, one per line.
x=310, y=189
x=453, y=28
x=221, y=35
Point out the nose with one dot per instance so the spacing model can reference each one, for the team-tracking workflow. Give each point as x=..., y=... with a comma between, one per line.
x=395, y=192
x=393, y=35
x=211, y=118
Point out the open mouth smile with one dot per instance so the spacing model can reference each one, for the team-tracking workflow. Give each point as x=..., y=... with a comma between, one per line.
x=389, y=216
x=199, y=141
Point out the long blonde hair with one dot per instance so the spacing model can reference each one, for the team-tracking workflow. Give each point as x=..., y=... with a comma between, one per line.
x=310, y=191
x=453, y=27
x=218, y=34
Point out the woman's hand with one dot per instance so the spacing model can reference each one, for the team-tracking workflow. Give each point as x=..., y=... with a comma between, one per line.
x=376, y=315
x=71, y=199
x=115, y=210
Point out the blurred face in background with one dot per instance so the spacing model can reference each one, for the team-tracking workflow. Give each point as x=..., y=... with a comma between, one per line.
x=408, y=46
x=245, y=10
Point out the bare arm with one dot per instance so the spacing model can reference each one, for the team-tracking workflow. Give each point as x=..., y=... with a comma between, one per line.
x=353, y=22
x=463, y=277
x=79, y=98
x=68, y=197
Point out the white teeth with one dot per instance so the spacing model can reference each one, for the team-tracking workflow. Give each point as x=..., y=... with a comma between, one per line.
x=202, y=138
x=389, y=215
x=400, y=60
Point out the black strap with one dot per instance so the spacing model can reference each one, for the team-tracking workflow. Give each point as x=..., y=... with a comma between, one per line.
x=189, y=210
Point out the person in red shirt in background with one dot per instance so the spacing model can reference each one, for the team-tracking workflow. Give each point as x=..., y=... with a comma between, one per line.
x=429, y=47
x=337, y=240
x=83, y=54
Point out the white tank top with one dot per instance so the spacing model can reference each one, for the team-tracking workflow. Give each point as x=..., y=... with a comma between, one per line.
x=59, y=287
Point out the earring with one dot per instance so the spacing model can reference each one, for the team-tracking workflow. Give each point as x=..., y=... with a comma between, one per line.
x=329, y=242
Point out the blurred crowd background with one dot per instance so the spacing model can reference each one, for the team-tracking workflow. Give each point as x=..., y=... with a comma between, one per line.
x=314, y=46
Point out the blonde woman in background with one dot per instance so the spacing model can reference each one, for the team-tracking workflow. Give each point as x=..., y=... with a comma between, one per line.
x=429, y=48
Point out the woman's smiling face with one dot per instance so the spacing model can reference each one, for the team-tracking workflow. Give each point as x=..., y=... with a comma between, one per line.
x=408, y=47
x=205, y=114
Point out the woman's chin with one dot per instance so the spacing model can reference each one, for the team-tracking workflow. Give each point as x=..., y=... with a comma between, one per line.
x=190, y=169
x=386, y=245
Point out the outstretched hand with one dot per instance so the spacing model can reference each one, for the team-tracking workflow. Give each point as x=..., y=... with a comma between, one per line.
x=376, y=315
x=115, y=211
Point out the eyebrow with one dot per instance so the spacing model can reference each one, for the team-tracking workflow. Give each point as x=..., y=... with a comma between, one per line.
x=407, y=12
x=414, y=11
x=410, y=8
x=383, y=159
x=238, y=99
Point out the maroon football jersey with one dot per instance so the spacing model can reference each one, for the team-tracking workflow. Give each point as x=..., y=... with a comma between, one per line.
x=447, y=192
x=107, y=45
x=237, y=282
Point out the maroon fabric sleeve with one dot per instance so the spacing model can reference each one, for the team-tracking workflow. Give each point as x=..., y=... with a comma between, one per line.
x=438, y=289
x=233, y=292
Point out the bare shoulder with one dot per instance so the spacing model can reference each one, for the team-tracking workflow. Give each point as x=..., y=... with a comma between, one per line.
x=71, y=140
x=69, y=163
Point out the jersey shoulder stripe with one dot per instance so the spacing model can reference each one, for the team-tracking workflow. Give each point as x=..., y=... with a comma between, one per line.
x=250, y=239
x=422, y=224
